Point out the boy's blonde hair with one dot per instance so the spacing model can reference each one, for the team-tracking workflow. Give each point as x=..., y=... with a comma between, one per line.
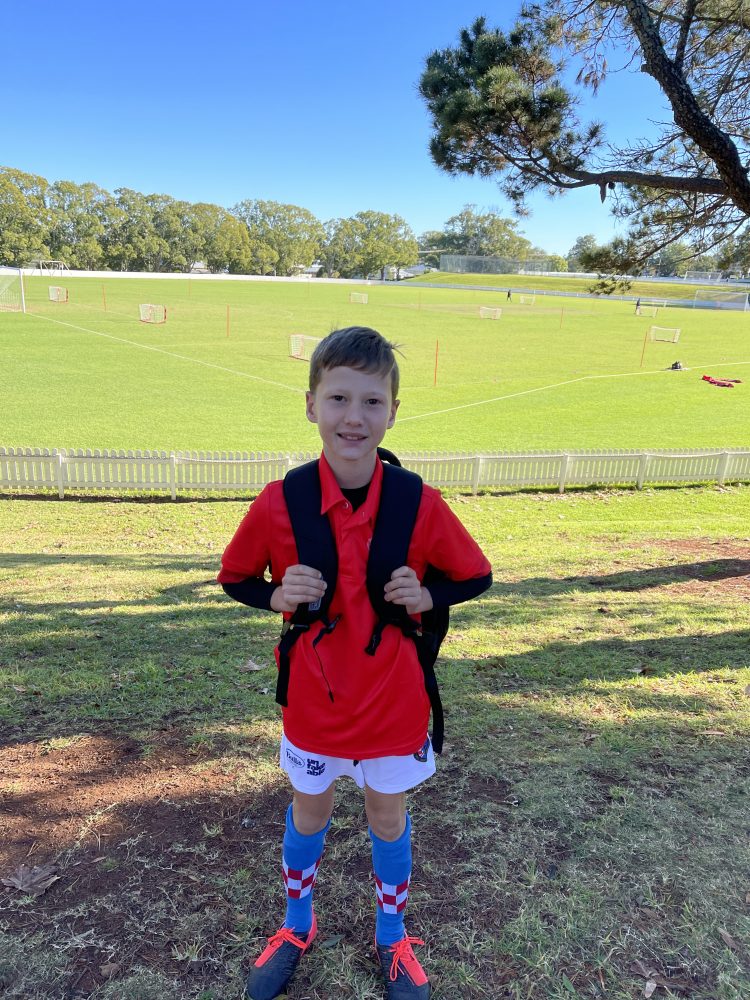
x=357, y=347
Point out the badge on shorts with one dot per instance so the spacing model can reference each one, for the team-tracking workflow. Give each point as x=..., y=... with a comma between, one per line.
x=315, y=767
x=293, y=759
x=421, y=755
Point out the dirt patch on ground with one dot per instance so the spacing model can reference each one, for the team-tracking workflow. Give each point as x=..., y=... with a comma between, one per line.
x=90, y=791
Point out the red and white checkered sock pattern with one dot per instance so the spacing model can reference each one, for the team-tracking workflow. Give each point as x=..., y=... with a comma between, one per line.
x=392, y=898
x=299, y=882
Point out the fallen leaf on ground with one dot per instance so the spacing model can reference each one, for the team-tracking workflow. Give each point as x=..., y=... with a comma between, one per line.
x=250, y=666
x=727, y=938
x=649, y=988
x=713, y=732
x=641, y=969
x=33, y=881
x=109, y=969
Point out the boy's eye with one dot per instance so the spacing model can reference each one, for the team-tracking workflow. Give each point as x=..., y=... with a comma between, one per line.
x=374, y=402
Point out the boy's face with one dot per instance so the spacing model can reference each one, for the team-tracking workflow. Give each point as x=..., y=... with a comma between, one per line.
x=353, y=410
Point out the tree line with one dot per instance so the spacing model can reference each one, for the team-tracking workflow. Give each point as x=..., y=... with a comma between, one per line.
x=90, y=228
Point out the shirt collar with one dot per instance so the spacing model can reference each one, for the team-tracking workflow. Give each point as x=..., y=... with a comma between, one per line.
x=331, y=491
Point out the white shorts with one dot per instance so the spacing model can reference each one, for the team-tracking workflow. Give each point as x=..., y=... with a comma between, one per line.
x=313, y=773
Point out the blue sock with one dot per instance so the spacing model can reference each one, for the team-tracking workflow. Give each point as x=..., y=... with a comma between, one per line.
x=391, y=862
x=301, y=857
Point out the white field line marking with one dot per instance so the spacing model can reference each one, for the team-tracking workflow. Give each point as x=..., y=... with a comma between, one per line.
x=170, y=354
x=557, y=385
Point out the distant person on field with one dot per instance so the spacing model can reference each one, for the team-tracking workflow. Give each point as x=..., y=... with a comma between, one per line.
x=351, y=711
x=509, y=297
x=638, y=307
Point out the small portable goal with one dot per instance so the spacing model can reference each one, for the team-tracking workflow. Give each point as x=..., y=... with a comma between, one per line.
x=301, y=346
x=360, y=297
x=152, y=314
x=58, y=294
x=490, y=312
x=527, y=300
x=666, y=334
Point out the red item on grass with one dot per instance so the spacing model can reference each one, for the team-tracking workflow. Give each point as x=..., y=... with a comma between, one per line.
x=726, y=383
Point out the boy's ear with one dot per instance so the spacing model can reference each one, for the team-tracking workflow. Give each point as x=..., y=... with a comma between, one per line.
x=392, y=418
x=310, y=407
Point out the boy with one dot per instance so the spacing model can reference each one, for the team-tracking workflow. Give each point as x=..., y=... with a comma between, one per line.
x=348, y=712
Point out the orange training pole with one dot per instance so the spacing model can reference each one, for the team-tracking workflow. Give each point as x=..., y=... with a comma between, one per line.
x=227, y=321
x=644, y=348
x=104, y=298
x=437, y=344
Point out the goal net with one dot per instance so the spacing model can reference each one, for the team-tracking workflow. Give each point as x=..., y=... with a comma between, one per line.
x=301, y=346
x=11, y=290
x=152, y=314
x=58, y=294
x=360, y=297
x=527, y=300
x=703, y=275
x=713, y=298
x=489, y=312
x=667, y=334
x=48, y=267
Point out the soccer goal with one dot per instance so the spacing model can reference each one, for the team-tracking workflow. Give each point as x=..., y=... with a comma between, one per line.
x=152, y=314
x=301, y=346
x=666, y=334
x=360, y=297
x=703, y=275
x=58, y=294
x=713, y=298
x=527, y=300
x=490, y=312
x=12, y=297
x=52, y=268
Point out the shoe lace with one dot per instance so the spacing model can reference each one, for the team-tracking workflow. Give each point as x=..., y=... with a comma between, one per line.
x=286, y=934
x=402, y=949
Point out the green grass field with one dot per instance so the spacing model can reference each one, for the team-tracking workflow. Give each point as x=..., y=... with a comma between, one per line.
x=561, y=373
x=568, y=283
x=586, y=833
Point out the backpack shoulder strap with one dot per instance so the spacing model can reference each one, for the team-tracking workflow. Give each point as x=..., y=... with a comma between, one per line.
x=400, y=496
x=312, y=535
x=315, y=547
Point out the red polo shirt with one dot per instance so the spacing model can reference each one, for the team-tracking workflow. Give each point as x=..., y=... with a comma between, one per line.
x=380, y=707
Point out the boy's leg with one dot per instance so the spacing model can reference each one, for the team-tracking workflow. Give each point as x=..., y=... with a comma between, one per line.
x=307, y=822
x=390, y=833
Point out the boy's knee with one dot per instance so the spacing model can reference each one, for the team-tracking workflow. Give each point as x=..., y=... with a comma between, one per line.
x=386, y=814
x=312, y=812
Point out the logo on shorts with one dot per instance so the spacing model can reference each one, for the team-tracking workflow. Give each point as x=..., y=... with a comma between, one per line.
x=315, y=767
x=293, y=759
x=421, y=755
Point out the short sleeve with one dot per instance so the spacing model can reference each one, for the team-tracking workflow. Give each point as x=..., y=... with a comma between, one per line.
x=445, y=542
x=248, y=553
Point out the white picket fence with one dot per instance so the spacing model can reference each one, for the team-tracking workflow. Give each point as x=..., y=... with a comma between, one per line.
x=227, y=472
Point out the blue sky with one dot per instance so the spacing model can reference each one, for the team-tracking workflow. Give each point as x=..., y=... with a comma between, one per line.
x=307, y=103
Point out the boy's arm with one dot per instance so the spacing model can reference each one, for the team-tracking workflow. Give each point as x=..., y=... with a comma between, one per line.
x=451, y=550
x=247, y=557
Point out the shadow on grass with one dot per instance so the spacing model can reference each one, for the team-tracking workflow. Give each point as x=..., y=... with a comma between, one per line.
x=710, y=571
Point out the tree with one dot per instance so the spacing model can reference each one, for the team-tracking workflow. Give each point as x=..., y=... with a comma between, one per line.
x=556, y=263
x=583, y=246
x=499, y=107
x=131, y=242
x=78, y=216
x=341, y=252
x=284, y=238
x=24, y=217
x=485, y=234
x=385, y=241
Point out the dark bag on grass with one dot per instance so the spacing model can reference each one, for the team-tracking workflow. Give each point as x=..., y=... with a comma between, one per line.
x=400, y=496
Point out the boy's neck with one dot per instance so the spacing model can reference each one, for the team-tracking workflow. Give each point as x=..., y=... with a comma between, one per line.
x=352, y=475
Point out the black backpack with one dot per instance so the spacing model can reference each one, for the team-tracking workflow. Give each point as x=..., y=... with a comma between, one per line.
x=400, y=496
